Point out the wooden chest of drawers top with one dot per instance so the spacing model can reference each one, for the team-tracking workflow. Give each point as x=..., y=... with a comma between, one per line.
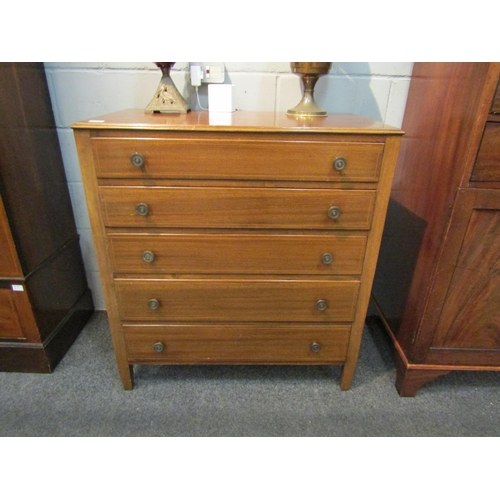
x=247, y=121
x=256, y=146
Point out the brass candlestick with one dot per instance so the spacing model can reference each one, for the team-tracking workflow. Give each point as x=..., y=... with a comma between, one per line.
x=310, y=73
x=167, y=98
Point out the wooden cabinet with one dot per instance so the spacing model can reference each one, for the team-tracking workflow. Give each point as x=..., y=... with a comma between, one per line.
x=437, y=282
x=249, y=242
x=44, y=298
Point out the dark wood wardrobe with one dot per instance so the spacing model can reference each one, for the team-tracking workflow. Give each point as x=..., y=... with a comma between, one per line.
x=44, y=297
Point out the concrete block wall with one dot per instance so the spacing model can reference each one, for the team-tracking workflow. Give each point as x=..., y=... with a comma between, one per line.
x=80, y=91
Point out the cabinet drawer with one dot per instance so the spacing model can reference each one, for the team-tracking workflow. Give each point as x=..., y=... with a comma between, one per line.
x=495, y=107
x=10, y=326
x=487, y=166
x=201, y=207
x=237, y=253
x=234, y=344
x=9, y=263
x=16, y=314
x=237, y=159
x=237, y=300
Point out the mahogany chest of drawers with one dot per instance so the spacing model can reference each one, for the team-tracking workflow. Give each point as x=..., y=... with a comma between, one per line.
x=252, y=242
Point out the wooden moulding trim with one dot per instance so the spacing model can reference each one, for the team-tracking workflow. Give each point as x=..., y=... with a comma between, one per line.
x=448, y=368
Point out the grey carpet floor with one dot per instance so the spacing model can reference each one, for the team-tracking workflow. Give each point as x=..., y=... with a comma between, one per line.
x=84, y=397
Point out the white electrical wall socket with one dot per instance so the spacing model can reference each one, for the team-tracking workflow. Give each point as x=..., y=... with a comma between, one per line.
x=212, y=72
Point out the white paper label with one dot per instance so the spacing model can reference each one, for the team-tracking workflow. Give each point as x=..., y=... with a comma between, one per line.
x=17, y=288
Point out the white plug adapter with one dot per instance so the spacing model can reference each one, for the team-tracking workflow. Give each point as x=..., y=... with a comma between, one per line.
x=196, y=75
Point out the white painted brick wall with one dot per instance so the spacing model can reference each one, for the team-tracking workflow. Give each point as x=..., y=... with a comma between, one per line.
x=81, y=91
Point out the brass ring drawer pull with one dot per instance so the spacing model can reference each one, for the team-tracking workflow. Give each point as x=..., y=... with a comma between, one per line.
x=148, y=256
x=153, y=304
x=321, y=305
x=137, y=160
x=339, y=163
x=315, y=347
x=142, y=209
x=334, y=213
x=327, y=259
x=160, y=347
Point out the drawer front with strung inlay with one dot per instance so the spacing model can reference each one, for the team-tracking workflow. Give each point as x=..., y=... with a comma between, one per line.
x=230, y=343
x=247, y=253
x=228, y=207
x=254, y=242
x=237, y=300
x=243, y=159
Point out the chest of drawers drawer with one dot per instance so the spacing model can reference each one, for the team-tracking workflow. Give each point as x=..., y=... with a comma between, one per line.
x=495, y=106
x=229, y=207
x=242, y=253
x=254, y=242
x=236, y=300
x=243, y=159
x=487, y=165
x=237, y=343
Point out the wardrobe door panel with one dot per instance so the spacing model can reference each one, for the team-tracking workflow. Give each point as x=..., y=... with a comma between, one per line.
x=470, y=317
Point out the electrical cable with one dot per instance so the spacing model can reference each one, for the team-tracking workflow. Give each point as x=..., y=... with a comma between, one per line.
x=198, y=98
